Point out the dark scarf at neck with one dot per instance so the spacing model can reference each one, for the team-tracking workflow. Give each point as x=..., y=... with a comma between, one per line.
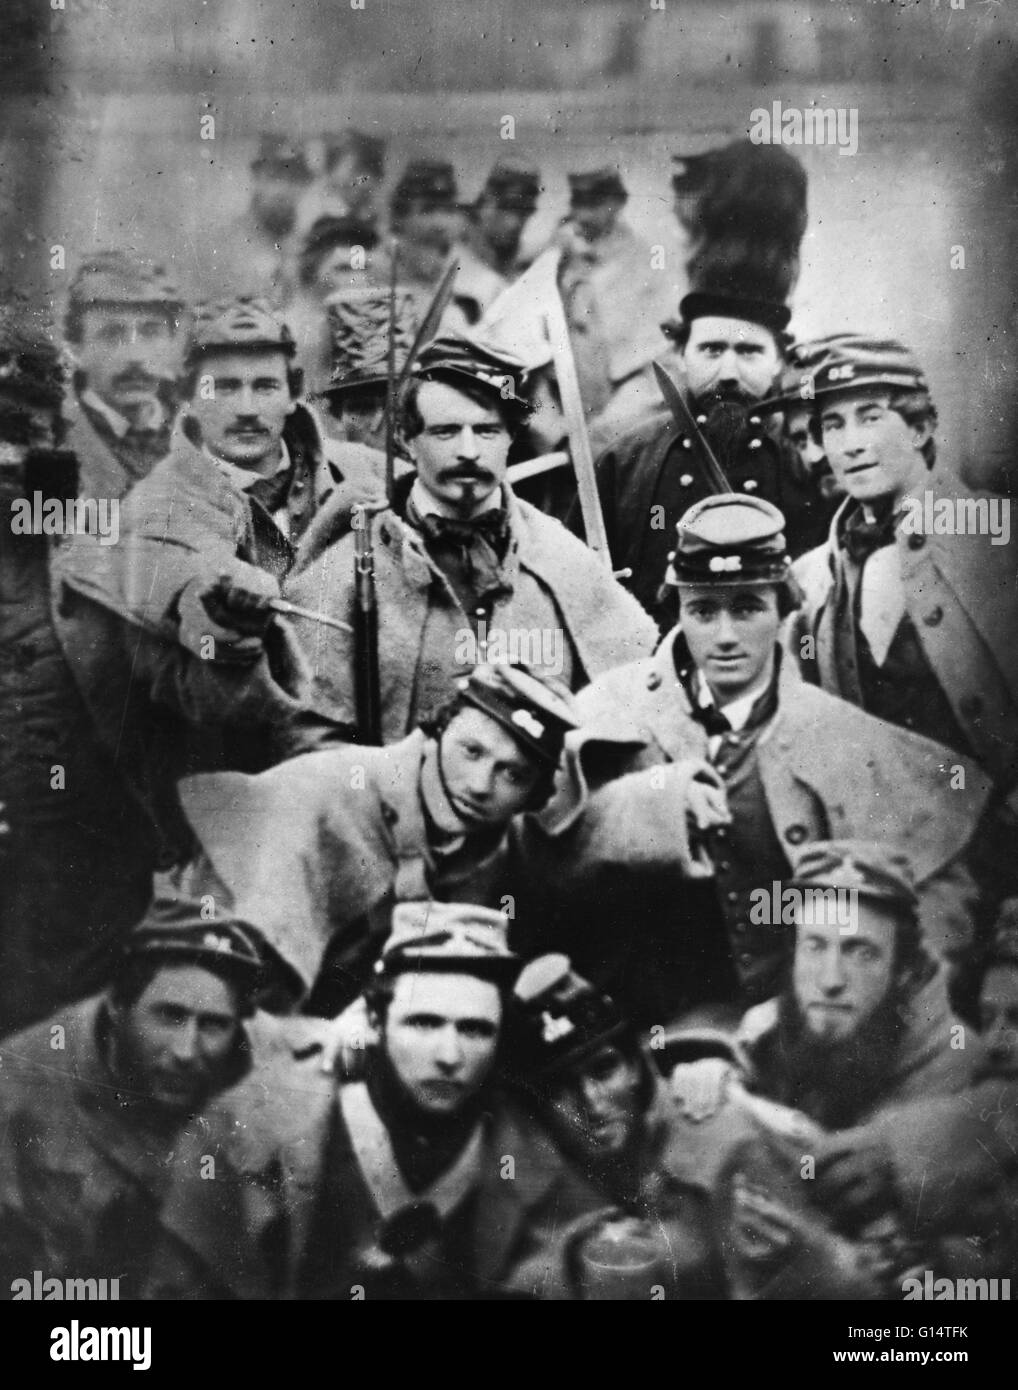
x=470, y=553
x=860, y=537
x=426, y=1146
x=710, y=716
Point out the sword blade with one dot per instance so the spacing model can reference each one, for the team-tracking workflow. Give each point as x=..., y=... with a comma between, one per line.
x=683, y=416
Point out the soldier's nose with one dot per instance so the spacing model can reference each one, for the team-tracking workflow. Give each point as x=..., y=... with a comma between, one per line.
x=449, y=1053
x=467, y=443
x=185, y=1043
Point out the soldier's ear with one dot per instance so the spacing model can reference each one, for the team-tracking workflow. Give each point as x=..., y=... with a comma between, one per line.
x=921, y=435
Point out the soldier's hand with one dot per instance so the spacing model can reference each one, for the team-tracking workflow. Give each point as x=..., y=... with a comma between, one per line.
x=855, y=1179
x=241, y=604
x=707, y=806
x=700, y=1088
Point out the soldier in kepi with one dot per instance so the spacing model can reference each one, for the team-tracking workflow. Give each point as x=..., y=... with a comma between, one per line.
x=256, y=252
x=783, y=764
x=125, y=330
x=614, y=298
x=497, y=220
x=910, y=604
x=426, y=220
x=345, y=833
x=354, y=169
x=397, y=1184
x=462, y=567
x=107, y=1108
x=183, y=661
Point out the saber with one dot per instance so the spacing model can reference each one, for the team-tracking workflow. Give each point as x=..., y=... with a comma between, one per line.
x=294, y=610
x=682, y=415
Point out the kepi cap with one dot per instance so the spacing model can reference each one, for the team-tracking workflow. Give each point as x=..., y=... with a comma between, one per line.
x=459, y=938
x=537, y=716
x=174, y=929
x=246, y=324
x=485, y=363
x=732, y=540
x=596, y=186
x=870, y=868
x=846, y=361
x=426, y=180
x=563, y=1018
x=514, y=186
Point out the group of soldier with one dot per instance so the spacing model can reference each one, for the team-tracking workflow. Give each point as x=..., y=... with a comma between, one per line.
x=402, y=898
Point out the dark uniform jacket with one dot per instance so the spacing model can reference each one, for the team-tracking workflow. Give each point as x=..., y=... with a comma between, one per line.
x=87, y=1190
x=822, y=769
x=656, y=465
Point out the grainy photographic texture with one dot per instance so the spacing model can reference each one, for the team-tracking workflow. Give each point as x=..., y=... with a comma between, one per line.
x=508, y=686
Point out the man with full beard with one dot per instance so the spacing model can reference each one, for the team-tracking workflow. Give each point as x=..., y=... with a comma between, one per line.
x=866, y=1021
x=731, y=348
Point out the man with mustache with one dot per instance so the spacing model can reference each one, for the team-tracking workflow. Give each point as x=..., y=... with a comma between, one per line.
x=731, y=348
x=344, y=833
x=459, y=559
x=124, y=329
x=108, y=1107
x=188, y=667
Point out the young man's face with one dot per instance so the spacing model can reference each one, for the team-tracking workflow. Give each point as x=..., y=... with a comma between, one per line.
x=440, y=1035
x=501, y=227
x=462, y=451
x=178, y=1037
x=488, y=777
x=241, y=402
x=731, y=635
x=127, y=352
x=998, y=1021
x=874, y=451
x=595, y=1107
x=840, y=978
x=731, y=357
